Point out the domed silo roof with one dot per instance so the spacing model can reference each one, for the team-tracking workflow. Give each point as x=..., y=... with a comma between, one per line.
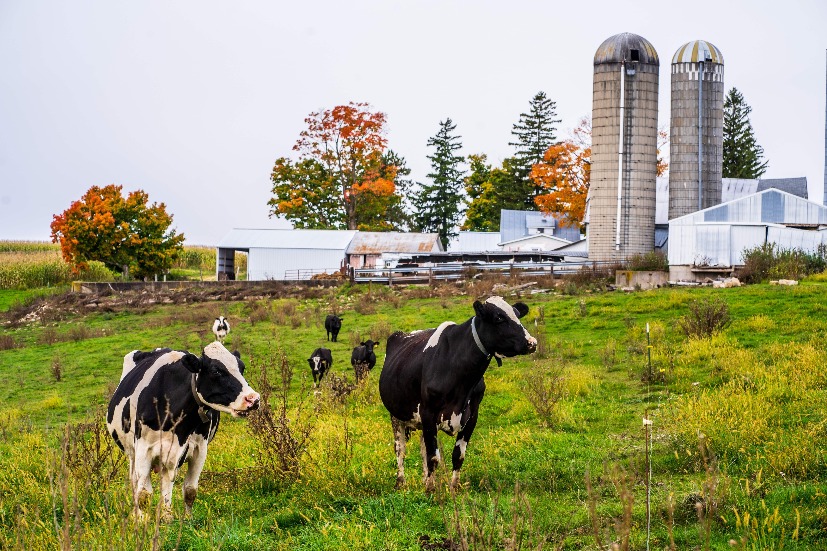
x=698, y=50
x=626, y=47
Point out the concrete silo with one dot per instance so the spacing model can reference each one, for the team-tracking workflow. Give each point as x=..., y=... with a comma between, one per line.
x=696, y=131
x=624, y=148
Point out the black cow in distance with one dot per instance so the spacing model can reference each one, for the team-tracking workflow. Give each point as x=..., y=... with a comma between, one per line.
x=363, y=358
x=320, y=361
x=332, y=325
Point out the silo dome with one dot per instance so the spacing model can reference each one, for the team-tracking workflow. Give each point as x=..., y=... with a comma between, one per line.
x=698, y=50
x=626, y=47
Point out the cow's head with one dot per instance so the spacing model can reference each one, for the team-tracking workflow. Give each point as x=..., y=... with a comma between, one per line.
x=315, y=363
x=336, y=322
x=369, y=345
x=220, y=382
x=499, y=328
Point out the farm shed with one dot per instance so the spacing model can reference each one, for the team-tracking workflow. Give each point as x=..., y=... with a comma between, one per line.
x=283, y=254
x=538, y=242
x=515, y=224
x=474, y=241
x=714, y=239
x=378, y=249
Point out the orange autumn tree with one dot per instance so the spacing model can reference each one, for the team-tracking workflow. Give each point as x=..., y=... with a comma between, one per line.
x=125, y=234
x=345, y=177
x=565, y=173
x=564, y=176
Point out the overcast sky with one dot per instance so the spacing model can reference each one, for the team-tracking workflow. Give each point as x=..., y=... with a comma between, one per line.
x=193, y=101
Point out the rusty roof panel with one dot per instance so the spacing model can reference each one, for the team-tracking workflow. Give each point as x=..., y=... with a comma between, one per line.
x=393, y=242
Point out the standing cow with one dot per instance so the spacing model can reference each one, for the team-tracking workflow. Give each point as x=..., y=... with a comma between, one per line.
x=433, y=379
x=332, y=324
x=363, y=358
x=165, y=411
x=220, y=328
x=320, y=361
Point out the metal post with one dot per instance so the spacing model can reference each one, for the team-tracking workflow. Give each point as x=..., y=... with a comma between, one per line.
x=620, y=150
x=700, y=134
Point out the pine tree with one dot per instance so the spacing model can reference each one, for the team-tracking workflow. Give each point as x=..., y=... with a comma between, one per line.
x=535, y=134
x=438, y=206
x=743, y=157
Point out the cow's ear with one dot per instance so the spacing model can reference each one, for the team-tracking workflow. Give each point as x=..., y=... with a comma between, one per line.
x=479, y=308
x=376, y=343
x=362, y=344
x=191, y=362
x=520, y=309
x=237, y=354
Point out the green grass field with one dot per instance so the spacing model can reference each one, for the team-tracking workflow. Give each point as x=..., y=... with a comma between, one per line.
x=736, y=444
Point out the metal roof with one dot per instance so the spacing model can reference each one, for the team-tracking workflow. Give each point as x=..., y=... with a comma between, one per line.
x=795, y=186
x=536, y=236
x=770, y=206
x=394, y=242
x=515, y=224
x=735, y=188
x=618, y=48
x=698, y=50
x=242, y=238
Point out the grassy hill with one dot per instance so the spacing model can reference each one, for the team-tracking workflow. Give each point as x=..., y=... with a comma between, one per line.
x=561, y=458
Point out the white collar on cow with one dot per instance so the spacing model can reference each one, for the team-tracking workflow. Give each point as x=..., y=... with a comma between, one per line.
x=202, y=407
x=479, y=343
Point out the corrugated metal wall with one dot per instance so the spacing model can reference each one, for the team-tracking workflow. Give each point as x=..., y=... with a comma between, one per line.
x=263, y=264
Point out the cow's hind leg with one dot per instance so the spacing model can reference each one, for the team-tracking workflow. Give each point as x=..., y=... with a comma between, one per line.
x=458, y=455
x=400, y=439
x=430, y=455
x=196, y=459
x=141, y=484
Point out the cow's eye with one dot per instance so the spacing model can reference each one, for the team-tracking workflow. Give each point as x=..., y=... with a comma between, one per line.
x=499, y=318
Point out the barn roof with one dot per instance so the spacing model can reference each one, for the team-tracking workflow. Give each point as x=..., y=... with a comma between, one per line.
x=795, y=186
x=394, y=242
x=474, y=241
x=243, y=238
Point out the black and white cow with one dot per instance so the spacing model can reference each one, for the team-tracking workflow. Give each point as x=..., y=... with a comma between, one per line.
x=432, y=380
x=363, y=358
x=165, y=411
x=332, y=324
x=220, y=328
x=320, y=361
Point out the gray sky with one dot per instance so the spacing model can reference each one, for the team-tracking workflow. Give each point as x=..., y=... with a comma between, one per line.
x=193, y=101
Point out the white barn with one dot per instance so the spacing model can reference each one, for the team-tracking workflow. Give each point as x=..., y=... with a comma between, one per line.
x=715, y=238
x=283, y=254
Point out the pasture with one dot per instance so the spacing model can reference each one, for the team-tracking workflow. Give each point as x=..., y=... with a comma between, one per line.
x=561, y=459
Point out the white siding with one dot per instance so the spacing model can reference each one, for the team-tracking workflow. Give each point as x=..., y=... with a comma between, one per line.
x=265, y=264
x=745, y=237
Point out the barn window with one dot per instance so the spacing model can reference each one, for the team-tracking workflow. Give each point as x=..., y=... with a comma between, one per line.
x=634, y=55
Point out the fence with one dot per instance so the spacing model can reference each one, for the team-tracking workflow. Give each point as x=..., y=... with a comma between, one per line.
x=448, y=272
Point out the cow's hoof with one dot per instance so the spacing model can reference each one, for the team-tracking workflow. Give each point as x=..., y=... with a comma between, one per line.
x=429, y=485
x=144, y=498
x=400, y=482
x=166, y=515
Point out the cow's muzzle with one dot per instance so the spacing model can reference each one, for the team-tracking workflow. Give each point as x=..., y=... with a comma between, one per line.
x=532, y=344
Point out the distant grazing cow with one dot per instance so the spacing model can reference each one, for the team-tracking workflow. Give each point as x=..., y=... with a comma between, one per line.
x=332, y=324
x=166, y=410
x=433, y=379
x=363, y=359
x=220, y=328
x=320, y=361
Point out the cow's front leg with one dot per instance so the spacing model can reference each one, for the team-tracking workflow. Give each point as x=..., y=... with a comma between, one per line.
x=430, y=454
x=458, y=455
x=195, y=462
x=400, y=440
x=166, y=478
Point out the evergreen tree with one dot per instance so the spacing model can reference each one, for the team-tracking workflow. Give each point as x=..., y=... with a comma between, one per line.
x=491, y=190
x=743, y=157
x=535, y=134
x=438, y=206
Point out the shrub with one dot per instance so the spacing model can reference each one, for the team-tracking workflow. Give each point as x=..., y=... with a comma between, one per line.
x=545, y=387
x=284, y=425
x=706, y=317
x=769, y=261
x=651, y=261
